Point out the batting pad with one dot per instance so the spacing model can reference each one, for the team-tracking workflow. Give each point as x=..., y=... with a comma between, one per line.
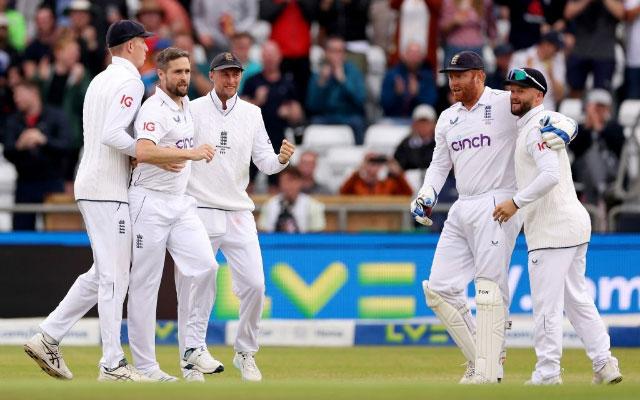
x=490, y=317
x=454, y=321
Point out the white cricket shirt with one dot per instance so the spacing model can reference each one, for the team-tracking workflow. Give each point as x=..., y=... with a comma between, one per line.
x=478, y=143
x=166, y=124
x=553, y=215
x=239, y=136
x=110, y=105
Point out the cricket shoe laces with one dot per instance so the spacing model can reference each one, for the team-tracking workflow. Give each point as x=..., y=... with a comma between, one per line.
x=48, y=356
x=468, y=373
x=246, y=363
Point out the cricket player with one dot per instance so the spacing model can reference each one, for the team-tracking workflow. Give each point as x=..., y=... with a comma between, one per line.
x=475, y=136
x=110, y=105
x=557, y=228
x=237, y=130
x=163, y=217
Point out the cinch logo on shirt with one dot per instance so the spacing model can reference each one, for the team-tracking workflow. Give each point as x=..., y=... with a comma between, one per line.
x=472, y=142
x=185, y=143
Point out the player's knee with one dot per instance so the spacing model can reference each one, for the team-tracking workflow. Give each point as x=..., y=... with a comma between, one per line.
x=488, y=293
x=255, y=286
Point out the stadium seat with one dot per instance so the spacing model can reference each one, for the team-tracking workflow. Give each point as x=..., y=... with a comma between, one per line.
x=376, y=60
x=8, y=178
x=338, y=164
x=629, y=113
x=572, y=108
x=624, y=218
x=316, y=55
x=415, y=177
x=321, y=138
x=383, y=138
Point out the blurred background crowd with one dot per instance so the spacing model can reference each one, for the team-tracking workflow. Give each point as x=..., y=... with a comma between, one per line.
x=353, y=82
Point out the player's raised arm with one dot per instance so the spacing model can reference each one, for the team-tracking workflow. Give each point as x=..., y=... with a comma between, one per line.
x=263, y=154
x=119, y=116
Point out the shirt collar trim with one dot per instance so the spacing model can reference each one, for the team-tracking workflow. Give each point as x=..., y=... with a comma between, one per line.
x=483, y=100
x=172, y=104
x=522, y=121
x=231, y=103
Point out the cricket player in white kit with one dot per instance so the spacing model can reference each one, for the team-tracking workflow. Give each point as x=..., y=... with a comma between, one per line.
x=475, y=136
x=163, y=217
x=235, y=127
x=557, y=228
x=110, y=105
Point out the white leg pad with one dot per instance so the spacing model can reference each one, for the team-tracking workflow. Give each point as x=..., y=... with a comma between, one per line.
x=490, y=319
x=453, y=320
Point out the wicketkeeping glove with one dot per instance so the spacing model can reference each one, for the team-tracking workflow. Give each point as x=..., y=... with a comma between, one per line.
x=422, y=205
x=558, y=132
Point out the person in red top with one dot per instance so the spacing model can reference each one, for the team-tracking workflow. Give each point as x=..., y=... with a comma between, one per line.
x=378, y=175
x=292, y=19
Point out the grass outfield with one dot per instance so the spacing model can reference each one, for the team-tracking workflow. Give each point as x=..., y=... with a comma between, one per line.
x=320, y=373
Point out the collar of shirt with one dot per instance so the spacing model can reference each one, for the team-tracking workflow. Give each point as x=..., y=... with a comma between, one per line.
x=483, y=100
x=218, y=103
x=127, y=64
x=522, y=121
x=172, y=104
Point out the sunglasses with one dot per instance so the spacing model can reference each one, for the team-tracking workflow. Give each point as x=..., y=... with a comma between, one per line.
x=518, y=74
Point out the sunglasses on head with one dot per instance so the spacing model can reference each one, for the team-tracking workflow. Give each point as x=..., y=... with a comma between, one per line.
x=518, y=74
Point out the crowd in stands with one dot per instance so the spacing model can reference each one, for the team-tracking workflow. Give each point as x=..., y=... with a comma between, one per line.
x=362, y=64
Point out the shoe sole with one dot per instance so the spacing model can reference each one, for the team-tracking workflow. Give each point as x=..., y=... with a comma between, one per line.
x=616, y=380
x=43, y=364
x=217, y=370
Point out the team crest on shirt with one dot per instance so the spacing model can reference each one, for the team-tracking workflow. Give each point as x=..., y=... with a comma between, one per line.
x=454, y=121
x=139, y=242
x=222, y=146
x=487, y=115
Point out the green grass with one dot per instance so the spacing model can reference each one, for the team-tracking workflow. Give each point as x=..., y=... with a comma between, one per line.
x=320, y=373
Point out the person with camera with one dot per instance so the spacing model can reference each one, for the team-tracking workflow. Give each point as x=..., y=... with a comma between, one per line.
x=378, y=175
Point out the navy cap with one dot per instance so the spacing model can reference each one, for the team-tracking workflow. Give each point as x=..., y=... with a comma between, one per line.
x=464, y=61
x=126, y=29
x=553, y=37
x=225, y=60
x=527, y=77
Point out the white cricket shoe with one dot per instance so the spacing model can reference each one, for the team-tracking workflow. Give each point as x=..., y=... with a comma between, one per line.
x=193, y=375
x=48, y=356
x=246, y=363
x=609, y=373
x=159, y=375
x=124, y=372
x=201, y=360
x=468, y=374
x=537, y=380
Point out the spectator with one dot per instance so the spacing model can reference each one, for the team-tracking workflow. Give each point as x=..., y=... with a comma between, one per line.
x=466, y=25
x=152, y=16
x=199, y=84
x=40, y=47
x=336, y=93
x=307, y=167
x=291, y=210
x=241, y=43
x=597, y=147
x=16, y=24
x=503, y=54
x=292, y=19
x=595, y=37
x=378, y=175
x=275, y=94
x=415, y=151
x=408, y=84
x=632, y=71
x=418, y=24
x=217, y=21
x=382, y=17
x=529, y=19
x=176, y=16
x=547, y=57
x=92, y=47
x=347, y=19
x=36, y=141
x=63, y=85
x=9, y=70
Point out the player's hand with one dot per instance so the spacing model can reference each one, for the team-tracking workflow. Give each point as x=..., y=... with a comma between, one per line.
x=422, y=205
x=286, y=151
x=558, y=132
x=504, y=211
x=204, y=152
x=173, y=167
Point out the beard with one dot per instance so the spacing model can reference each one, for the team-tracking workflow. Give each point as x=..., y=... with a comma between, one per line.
x=177, y=90
x=521, y=108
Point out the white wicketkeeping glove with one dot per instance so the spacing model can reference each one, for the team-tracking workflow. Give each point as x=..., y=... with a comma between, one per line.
x=422, y=205
x=558, y=131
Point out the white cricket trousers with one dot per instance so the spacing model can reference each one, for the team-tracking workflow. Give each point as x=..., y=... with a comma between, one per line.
x=109, y=230
x=160, y=222
x=235, y=234
x=558, y=283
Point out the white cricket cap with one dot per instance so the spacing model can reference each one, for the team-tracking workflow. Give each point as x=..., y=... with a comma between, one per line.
x=424, y=111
